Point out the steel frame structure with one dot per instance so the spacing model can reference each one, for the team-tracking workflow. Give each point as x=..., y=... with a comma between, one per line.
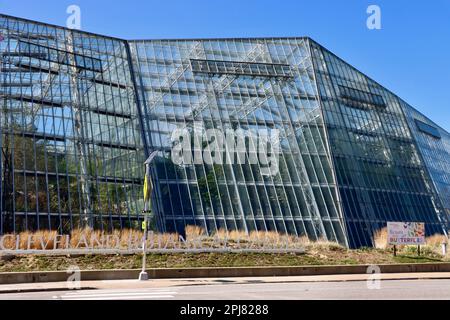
x=81, y=112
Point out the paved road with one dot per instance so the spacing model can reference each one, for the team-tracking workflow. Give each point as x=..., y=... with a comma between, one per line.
x=354, y=290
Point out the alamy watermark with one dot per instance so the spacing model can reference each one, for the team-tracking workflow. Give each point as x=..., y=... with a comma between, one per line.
x=374, y=19
x=231, y=146
x=74, y=19
x=374, y=279
x=74, y=278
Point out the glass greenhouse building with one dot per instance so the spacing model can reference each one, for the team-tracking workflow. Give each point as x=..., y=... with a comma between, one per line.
x=81, y=112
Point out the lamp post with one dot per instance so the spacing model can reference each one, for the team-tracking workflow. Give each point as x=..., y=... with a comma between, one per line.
x=148, y=188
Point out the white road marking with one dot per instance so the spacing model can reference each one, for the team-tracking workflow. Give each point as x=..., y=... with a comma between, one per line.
x=118, y=294
x=116, y=291
x=122, y=298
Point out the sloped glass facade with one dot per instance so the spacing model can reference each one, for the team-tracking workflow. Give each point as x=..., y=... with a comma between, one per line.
x=434, y=143
x=71, y=143
x=81, y=112
x=379, y=167
x=247, y=84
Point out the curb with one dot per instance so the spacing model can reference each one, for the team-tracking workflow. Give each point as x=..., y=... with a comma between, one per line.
x=46, y=289
x=98, y=275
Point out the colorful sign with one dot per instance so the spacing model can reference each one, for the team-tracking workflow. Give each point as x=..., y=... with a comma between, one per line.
x=406, y=233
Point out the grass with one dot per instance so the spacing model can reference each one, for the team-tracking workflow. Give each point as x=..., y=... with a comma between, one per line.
x=380, y=238
x=83, y=238
x=316, y=253
x=313, y=256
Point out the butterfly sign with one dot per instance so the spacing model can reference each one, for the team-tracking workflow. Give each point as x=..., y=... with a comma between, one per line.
x=406, y=233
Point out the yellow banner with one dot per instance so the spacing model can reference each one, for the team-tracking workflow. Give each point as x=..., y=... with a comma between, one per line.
x=148, y=187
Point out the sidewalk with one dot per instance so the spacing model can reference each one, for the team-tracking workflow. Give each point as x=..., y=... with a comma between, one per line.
x=167, y=283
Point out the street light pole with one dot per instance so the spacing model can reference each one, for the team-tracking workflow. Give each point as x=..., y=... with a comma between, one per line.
x=148, y=188
x=143, y=276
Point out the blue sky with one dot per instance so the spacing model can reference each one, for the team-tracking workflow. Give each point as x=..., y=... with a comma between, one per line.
x=409, y=55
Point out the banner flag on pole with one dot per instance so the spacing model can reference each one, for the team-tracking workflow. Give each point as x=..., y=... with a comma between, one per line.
x=148, y=188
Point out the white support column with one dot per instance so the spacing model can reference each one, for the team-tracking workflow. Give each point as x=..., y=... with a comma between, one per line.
x=79, y=133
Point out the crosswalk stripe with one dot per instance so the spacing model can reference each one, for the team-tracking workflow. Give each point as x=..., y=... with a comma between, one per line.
x=119, y=295
x=122, y=298
x=97, y=292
